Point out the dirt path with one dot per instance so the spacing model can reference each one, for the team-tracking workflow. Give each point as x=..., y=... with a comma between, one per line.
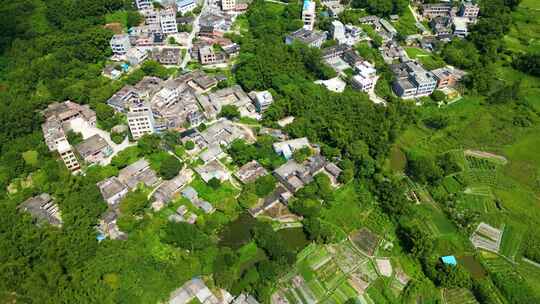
x=484, y=154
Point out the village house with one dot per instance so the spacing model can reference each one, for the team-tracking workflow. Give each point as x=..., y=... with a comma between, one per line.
x=213, y=169
x=168, y=189
x=167, y=56
x=121, y=100
x=308, y=14
x=112, y=190
x=460, y=26
x=68, y=110
x=43, y=209
x=191, y=194
x=94, y=149
x=108, y=226
x=250, y=172
x=432, y=10
x=223, y=132
x=447, y=77
x=261, y=99
x=136, y=56
x=120, y=44
x=235, y=96
x=441, y=26
x=469, y=10
x=138, y=172
x=372, y=20
x=295, y=176
x=287, y=148
x=213, y=152
x=335, y=51
x=280, y=195
x=311, y=38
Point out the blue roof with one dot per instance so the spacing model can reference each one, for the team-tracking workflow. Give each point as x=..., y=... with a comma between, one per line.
x=306, y=4
x=449, y=260
x=100, y=237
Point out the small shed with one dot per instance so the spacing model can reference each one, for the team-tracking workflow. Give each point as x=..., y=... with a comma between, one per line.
x=449, y=260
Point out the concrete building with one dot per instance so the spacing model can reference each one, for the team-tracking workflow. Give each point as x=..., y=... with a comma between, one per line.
x=460, y=25
x=262, y=100
x=311, y=38
x=185, y=6
x=121, y=100
x=469, y=10
x=120, y=44
x=66, y=111
x=228, y=5
x=112, y=190
x=136, y=56
x=68, y=156
x=144, y=4
x=94, y=149
x=287, y=148
x=167, y=56
x=138, y=172
x=441, y=26
x=447, y=77
x=309, y=14
x=140, y=120
x=207, y=55
x=432, y=10
x=338, y=31
x=167, y=20
x=250, y=172
x=43, y=209
x=389, y=29
x=412, y=80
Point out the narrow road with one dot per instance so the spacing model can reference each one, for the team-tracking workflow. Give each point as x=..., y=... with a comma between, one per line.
x=194, y=31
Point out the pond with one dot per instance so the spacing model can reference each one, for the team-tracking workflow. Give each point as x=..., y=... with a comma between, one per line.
x=295, y=238
x=473, y=266
x=238, y=232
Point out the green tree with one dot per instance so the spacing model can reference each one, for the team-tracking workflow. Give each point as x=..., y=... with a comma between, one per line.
x=230, y=112
x=170, y=167
x=185, y=236
x=214, y=183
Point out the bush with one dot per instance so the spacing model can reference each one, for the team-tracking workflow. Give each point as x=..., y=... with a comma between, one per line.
x=438, y=95
x=189, y=145
x=230, y=112
x=214, y=183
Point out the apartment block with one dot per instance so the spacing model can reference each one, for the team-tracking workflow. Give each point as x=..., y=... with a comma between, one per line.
x=436, y=10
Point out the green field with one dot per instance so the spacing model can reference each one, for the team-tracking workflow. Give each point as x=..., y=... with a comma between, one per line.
x=429, y=60
x=511, y=242
x=406, y=24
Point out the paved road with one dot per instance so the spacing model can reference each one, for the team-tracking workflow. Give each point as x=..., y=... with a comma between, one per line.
x=194, y=31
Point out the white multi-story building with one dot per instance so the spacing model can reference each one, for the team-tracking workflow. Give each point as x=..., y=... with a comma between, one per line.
x=338, y=31
x=366, y=77
x=167, y=20
x=412, y=80
x=262, y=100
x=186, y=6
x=460, y=27
x=143, y=4
x=308, y=14
x=120, y=44
x=140, y=120
x=228, y=5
